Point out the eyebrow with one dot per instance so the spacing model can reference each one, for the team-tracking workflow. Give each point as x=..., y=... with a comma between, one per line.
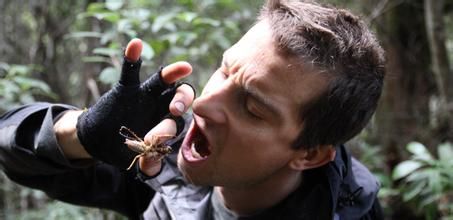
x=254, y=94
x=262, y=100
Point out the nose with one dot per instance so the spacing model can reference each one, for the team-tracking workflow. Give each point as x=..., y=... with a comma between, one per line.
x=212, y=105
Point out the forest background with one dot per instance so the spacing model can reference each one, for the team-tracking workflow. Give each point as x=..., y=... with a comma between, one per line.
x=70, y=52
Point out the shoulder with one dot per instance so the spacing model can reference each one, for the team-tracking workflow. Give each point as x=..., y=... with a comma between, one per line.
x=357, y=195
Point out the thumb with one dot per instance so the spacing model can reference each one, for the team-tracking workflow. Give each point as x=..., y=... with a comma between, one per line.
x=131, y=63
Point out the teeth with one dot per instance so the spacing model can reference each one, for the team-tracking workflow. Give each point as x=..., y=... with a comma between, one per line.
x=194, y=151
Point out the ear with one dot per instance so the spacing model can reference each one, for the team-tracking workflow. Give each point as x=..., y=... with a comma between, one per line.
x=312, y=158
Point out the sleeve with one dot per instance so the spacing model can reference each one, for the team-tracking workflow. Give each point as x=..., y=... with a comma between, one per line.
x=30, y=155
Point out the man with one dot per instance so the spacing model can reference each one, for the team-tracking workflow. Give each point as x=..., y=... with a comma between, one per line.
x=264, y=142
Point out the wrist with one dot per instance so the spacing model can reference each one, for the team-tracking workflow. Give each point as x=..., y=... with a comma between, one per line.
x=66, y=134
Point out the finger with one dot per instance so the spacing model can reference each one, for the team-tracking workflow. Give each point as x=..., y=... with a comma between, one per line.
x=176, y=71
x=165, y=130
x=133, y=50
x=130, y=71
x=165, y=78
x=182, y=100
x=149, y=166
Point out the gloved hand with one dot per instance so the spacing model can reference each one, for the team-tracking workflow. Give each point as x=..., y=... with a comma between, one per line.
x=137, y=106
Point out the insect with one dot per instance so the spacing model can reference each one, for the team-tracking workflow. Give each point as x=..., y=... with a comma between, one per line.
x=135, y=143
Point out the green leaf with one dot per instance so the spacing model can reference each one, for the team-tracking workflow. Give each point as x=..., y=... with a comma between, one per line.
x=4, y=66
x=413, y=191
x=405, y=168
x=137, y=13
x=83, y=34
x=10, y=88
x=114, y=4
x=419, y=175
x=95, y=59
x=108, y=36
x=147, y=52
x=18, y=70
x=95, y=7
x=26, y=98
x=162, y=21
x=112, y=17
x=445, y=152
x=106, y=51
x=206, y=21
x=419, y=150
x=109, y=75
x=429, y=200
x=221, y=40
x=30, y=83
x=187, y=16
x=108, y=16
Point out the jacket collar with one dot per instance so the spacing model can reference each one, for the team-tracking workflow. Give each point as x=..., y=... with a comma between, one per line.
x=353, y=188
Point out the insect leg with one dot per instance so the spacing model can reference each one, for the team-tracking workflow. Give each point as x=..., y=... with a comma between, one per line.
x=133, y=161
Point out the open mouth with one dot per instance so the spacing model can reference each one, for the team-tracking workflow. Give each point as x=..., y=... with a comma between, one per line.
x=195, y=146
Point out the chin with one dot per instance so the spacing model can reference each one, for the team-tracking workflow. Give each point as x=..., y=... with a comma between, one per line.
x=191, y=174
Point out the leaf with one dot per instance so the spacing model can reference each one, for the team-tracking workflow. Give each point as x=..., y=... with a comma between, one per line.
x=147, y=52
x=221, y=40
x=83, y=34
x=405, y=168
x=107, y=15
x=112, y=17
x=4, y=66
x=26, y=98
x=114, y=4
x=419, y=150
x=95, y=7
x=206, y=21
x=109, y=75
x=187, y=16
x=445, y=152
x=106, y=51
x=28, y=83
x=419, y=175
x=413, y=191
x=163, y=21
x=137, y=13
x=108, y=36
x=9, y=88
x=429, y=200
x=18, y=70
x=95, y=59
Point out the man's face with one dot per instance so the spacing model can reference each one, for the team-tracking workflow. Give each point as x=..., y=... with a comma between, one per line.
x=248, y=115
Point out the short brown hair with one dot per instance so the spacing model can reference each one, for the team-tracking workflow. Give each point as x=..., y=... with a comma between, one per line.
x=341, y=46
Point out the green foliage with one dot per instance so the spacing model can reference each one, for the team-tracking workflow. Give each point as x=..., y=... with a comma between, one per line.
x=195, y=31
x=17, y=86
x=428, y=181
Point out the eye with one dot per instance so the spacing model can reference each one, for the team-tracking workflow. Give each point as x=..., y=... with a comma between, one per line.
x=251, y=109
x=253, y=115
x=224, y=74
x=221, y=73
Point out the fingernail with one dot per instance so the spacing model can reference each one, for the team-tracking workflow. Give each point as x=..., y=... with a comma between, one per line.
x=180, y=106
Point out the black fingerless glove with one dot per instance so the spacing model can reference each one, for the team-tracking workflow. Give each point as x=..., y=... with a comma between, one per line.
x=137, y=106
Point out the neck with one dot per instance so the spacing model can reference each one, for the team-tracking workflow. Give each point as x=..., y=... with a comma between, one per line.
x=250, y=200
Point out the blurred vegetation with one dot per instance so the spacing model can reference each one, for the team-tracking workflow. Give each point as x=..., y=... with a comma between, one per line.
x=70, y=52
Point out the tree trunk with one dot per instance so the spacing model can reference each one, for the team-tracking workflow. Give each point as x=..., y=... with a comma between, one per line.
x=403, y=114
x=435, y=28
